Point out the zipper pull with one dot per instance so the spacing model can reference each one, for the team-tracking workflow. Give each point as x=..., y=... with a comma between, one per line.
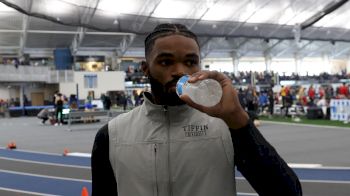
x=165, y=108
x=155, y=147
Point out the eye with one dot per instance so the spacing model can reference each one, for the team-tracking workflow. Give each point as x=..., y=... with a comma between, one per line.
x=165, y=62
x=191, y=62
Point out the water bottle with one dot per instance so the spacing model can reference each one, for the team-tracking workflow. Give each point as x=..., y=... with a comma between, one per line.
x=206, y=92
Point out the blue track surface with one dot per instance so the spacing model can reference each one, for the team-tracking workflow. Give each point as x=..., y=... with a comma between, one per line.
x=319, y=174
x=42, y=184
x=58, y=159
x=51, y=185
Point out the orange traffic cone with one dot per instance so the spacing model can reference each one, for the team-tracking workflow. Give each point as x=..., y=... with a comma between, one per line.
x=65, y=152
x=84, y=192
x=11, y=145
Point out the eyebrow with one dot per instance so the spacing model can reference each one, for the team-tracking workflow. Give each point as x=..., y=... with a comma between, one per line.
x=167, y=55
x=192, y=55
x=164, y=54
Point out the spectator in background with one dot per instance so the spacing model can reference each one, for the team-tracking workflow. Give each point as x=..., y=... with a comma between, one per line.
x=343, y=91
x=311, y=93
x=107, y=102
x=242, y=98
x=263, y=101
x=15, y=63
x=329, y=92
x=59, y=109
x=250, y=98
x=321, y=92
x=288, y=102
x=283, y=94
x=54, y=98
x=136, y=98
x=44, y=115
x=271, y=99
x=301, y=96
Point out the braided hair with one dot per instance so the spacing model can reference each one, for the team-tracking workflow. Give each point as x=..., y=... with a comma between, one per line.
x=164, y=30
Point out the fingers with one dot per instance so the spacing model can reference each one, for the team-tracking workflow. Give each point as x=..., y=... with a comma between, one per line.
x=201, y=75
x=189, y=102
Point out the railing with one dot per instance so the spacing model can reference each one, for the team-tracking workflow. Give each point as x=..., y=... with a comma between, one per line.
x=9, y=73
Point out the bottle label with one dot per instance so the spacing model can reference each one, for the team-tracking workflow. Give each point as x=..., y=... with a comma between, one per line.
x=179, y=85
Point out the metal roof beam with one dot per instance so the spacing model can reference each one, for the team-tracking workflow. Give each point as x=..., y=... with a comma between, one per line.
x=128, y=40
x=204, y=13
x=272, y=46
x=331, y=7
x=25, y=23
x=341, y=52
x=282, y=25
x=87, y=16
x=288, y=48
x=251, y=15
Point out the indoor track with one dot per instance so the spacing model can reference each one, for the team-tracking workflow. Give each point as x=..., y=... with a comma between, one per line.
x=319, y=156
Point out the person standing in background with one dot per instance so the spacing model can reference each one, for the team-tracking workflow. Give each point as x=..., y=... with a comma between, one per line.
x=59, y=101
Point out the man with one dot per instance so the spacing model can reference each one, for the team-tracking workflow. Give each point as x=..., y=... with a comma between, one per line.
x=172, y=146
x=343, y=91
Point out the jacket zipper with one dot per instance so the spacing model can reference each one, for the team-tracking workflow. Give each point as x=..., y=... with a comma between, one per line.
x=170, y=191
x=155, y=167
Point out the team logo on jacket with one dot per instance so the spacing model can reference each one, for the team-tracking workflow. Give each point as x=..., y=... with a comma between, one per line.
x=195, y=130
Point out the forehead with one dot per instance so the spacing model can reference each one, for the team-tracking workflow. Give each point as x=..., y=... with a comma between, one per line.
x=175, y=43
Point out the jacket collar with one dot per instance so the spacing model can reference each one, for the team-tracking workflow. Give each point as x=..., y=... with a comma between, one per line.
x=155, y=111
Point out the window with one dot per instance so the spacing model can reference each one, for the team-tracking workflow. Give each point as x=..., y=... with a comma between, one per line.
x=90, y=81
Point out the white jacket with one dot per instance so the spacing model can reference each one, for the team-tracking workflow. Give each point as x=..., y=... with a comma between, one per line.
x=171, y=151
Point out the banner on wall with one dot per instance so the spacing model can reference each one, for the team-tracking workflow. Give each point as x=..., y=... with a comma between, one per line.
x=340, y=109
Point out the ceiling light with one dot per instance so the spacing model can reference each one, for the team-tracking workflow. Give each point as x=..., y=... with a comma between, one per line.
x=210, y=3
x=5, y=8
x=57, y=7
x=299, y=18
x=261, y=16
x=116, y=7
x=218, y=13
x=286, y=16
x=173, y=9
x=251, y=7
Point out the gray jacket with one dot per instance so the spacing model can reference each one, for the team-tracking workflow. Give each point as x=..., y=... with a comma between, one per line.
x=171, y=150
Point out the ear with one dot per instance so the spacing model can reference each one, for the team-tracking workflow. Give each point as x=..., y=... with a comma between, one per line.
x=145, y=68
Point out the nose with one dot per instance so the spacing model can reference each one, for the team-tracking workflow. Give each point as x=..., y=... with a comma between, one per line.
x=179, y=70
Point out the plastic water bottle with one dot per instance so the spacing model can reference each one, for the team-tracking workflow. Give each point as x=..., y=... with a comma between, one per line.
x=206, y=92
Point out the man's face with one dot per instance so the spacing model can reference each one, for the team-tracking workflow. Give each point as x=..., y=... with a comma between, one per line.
x=171, y=57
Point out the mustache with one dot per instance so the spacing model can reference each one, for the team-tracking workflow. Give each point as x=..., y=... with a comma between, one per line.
x=172, y=82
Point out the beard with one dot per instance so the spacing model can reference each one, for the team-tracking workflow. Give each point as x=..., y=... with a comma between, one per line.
x=162, y=93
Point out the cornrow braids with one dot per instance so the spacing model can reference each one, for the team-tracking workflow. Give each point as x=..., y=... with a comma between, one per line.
x=164, y=30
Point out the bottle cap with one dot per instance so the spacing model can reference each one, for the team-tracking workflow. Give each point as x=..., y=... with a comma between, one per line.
x=180, y=84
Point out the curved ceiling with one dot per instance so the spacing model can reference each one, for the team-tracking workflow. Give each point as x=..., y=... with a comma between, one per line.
x=245, y=28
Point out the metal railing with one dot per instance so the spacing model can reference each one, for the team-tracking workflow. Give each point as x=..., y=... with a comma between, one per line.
x=9, y=73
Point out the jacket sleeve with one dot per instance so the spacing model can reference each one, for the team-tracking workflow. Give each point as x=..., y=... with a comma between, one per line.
x=103, y=180
x=261, y=165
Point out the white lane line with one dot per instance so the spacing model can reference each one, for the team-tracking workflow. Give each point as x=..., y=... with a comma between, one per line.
x=315, y=166
x=79, y=154
x=36, y=152
x=248, y=194
x=326, y=181
x=44, y=176
x=305, y=125
x=331, y=167
x=26, y=192
x=45, y=163
x=304, y=165
x=312, y=181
